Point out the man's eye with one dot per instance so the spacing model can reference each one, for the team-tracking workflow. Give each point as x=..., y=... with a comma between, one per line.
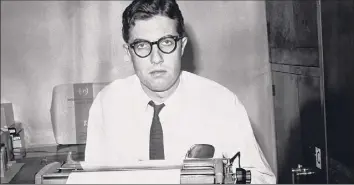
x=141, y=45
x=167, y=42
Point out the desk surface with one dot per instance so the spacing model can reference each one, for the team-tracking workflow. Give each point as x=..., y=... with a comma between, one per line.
x=37, y=158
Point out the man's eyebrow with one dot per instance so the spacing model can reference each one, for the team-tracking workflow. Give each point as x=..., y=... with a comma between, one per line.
x=139, y=39
x=169, y=35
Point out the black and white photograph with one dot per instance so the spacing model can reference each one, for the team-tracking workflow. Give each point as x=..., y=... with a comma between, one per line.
x=177, y=92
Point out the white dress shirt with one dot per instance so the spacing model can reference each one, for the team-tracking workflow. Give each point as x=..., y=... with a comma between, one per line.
x=200, y=111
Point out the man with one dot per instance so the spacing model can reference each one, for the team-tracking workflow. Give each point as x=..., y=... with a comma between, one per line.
x=161, y=111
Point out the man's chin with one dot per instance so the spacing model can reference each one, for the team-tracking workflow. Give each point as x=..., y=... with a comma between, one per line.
x=159, y=89
x=161, y=85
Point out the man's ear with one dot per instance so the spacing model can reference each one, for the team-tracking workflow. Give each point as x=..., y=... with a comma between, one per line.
x=126, y=48
x=127, y=56
x=184, y=43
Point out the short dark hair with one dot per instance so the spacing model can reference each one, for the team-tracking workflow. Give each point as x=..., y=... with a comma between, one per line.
x=145, y=9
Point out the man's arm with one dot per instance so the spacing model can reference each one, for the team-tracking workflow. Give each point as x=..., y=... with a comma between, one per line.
x=94, y=151
x=240, y=138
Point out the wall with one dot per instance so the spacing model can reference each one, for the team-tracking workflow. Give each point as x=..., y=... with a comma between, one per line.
x=36, y=54
x=50, y=43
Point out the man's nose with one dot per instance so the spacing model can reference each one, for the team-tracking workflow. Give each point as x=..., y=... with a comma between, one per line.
x=156, y=57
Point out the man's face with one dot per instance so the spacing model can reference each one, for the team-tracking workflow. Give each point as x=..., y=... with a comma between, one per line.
x=158, y=71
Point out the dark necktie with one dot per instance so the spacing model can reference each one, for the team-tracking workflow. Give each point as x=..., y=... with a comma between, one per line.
x=156, y=149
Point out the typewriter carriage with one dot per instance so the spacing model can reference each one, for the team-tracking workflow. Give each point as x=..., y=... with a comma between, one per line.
x=199, y=167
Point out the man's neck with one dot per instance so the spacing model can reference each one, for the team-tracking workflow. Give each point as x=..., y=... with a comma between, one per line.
x=160, y=97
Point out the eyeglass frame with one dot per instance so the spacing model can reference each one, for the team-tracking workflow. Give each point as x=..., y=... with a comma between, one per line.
x=175, y=38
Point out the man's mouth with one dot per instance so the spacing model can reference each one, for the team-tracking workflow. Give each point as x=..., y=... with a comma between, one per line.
x=157, y=73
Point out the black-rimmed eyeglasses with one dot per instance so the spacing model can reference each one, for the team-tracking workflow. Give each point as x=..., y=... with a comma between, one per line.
x=166, y=44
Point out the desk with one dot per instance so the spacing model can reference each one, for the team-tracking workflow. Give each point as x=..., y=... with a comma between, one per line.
x=37, y=158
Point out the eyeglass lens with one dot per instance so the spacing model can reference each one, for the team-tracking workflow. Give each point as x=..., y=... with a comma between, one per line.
x=166, y=45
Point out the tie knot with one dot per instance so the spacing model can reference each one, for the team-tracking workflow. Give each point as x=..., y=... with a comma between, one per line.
x=157, y=108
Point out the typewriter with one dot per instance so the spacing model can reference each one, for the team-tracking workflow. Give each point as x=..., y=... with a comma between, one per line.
x=198, y=167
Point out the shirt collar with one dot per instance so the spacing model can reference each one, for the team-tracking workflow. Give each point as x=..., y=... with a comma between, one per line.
x=142, y=99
